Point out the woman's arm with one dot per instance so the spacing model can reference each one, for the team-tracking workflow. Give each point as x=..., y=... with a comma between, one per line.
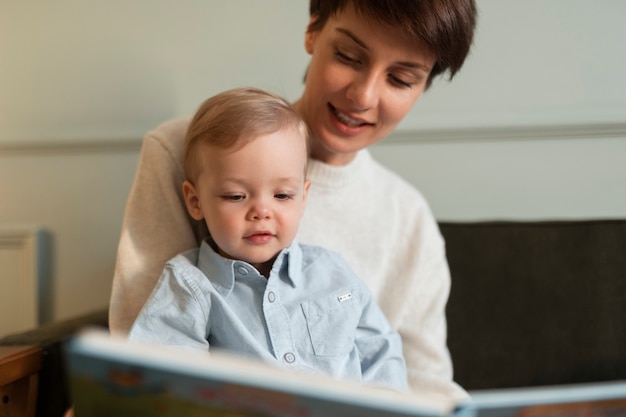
x=422, y=319
x=156, y=225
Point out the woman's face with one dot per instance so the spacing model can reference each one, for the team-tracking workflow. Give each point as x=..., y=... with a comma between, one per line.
x=363, y=79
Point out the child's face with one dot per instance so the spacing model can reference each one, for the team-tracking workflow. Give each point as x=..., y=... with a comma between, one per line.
x=252, y=199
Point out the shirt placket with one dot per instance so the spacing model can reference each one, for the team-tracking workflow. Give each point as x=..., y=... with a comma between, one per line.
x=278, y=325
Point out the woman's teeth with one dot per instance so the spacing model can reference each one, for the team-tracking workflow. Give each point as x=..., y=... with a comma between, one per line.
x=347, y=120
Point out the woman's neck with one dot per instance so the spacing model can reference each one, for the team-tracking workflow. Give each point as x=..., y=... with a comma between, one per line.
x=317, y=150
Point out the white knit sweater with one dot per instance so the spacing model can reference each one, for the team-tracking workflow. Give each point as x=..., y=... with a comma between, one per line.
x=376, y=220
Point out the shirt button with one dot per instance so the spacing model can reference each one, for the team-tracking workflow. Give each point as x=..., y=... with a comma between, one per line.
x=243, y=270
x=289, y=357
x=271, y=296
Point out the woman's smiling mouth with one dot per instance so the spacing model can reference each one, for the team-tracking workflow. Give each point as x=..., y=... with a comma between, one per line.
x=347, y=120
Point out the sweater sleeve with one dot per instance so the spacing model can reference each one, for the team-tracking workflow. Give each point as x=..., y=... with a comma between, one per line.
x=156, y=225
x=423, y=323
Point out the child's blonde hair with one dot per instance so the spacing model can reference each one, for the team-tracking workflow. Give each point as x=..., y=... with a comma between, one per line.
x=234, y=118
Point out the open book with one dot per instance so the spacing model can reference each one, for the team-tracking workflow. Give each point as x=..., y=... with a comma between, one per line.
x=112, y=377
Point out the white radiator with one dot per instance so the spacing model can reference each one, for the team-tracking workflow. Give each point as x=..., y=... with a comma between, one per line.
x=20, y=272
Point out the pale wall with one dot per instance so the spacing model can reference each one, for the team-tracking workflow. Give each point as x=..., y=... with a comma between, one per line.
x=534, y=127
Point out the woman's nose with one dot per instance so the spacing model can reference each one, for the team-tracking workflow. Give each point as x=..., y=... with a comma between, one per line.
x=363, y=92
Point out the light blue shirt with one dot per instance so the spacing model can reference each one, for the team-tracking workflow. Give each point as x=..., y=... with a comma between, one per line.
x=312, y=314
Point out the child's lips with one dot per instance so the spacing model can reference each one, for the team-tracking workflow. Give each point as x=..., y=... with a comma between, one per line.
x=259, y=237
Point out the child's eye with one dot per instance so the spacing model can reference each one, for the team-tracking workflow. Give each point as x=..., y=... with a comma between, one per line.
x=233, y=197
x=283, y=196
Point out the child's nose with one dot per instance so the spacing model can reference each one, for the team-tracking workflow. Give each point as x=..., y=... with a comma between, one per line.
x=259, y=211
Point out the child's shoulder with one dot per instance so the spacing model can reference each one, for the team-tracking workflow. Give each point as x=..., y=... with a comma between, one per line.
x=186, y=258
x=184, y=265
x=313, y=253
x=319, y=260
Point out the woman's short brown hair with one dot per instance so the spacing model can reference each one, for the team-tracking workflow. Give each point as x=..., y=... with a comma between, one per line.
x=446, y=27
x=235, y=117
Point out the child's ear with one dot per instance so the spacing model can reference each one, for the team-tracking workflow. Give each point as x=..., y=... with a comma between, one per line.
x=307, y=184
x=192, y=201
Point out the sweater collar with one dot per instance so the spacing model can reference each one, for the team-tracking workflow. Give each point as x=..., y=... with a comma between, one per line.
x=324, y=175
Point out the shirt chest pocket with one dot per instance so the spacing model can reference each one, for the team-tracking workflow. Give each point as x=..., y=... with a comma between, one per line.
x=332, y=322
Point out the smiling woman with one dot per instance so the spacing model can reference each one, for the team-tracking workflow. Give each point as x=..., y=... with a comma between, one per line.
x=359, y=87
x=364, y=76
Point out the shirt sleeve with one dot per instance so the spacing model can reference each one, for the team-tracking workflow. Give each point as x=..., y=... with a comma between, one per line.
x=156, y=225
x=176, y=314
x=380, y=349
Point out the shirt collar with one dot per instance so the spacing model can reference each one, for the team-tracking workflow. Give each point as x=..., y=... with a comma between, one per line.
x=288, y=265
x=222, y=271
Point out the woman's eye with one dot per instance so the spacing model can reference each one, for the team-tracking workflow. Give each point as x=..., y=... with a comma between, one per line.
x=348, y=59
x=397, y=81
